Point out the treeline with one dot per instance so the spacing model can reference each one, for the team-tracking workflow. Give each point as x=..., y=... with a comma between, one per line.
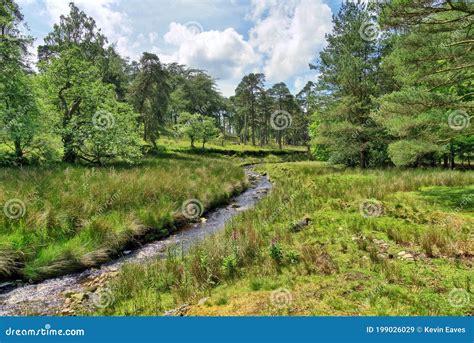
x=86, y=103
x=396, y=85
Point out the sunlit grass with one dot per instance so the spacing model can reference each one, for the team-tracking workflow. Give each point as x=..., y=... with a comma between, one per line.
x=343, y=263
x=76, y=217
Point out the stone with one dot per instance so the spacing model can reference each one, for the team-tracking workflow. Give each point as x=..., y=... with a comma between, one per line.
x=79, y=296
x=178, y=312
x=203, y=301
x=127, y=252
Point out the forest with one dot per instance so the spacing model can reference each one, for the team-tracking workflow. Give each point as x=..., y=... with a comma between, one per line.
x=370, y=169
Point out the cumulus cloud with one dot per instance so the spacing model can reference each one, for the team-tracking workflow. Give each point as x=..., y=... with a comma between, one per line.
x=278, y=37
x=114, y=24
x=225, y=54
x=301, y=81
x=288, y=34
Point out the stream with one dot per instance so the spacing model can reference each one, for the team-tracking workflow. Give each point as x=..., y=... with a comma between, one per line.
x=47, y=297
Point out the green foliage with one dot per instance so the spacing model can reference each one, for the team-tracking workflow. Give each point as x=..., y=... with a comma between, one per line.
x=19, y=112
x=76, y=217
x=93, y=125
x=230, y=265
x=432, y=66
x=196, y=126
x=348, y=262
x=350, y=78
x=276, y=253
x=412, y=152
x=149, y=93
x=112, y=134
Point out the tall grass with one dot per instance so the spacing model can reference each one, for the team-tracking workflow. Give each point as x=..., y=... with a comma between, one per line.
x=76, y=217
x=343, y=263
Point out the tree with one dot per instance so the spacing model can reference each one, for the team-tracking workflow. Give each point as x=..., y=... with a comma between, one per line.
x=94, y=127
x=190, y=126
x=196, y=126
x=247, y=93
x=350, y=77
x=75, y=30
x=19, y=112
x=306, y=99
x=112, y=133
x=149, y=94
x=430, y=111
x=285, y=105
x=208, y=129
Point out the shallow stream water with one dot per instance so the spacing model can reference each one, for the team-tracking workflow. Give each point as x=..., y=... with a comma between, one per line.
x=47, y=297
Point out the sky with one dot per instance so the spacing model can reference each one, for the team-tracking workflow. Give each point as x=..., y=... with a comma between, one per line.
x=227, y=38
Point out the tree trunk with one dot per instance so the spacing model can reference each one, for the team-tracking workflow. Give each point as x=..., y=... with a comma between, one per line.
x=18, y=150
x=70, y=155
x=451, y=156
x=192, y=142
x=362, y=159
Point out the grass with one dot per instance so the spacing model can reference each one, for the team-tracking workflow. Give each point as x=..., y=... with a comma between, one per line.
x=347, y=261
x=76, y=217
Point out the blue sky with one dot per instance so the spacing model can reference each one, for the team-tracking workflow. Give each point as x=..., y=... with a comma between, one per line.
x=228, y=38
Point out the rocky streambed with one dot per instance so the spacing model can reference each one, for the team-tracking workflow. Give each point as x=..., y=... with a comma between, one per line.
x=59, y=296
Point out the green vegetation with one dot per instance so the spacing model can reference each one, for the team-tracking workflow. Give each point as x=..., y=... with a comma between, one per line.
x=347, y=261
x=98, y=152
x=72, y=217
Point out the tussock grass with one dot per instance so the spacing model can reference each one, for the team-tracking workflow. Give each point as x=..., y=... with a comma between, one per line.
x=343, y=263
x=77, y=217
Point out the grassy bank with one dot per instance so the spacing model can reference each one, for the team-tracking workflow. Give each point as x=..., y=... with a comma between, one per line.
x=57, y=220
x=378, y=243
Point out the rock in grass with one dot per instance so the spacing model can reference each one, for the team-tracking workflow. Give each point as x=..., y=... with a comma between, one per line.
x=178, y=312
x=203, y=301
x=299, y=225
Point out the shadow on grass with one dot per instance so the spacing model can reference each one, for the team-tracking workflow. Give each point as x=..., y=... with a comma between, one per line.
x=451, y=197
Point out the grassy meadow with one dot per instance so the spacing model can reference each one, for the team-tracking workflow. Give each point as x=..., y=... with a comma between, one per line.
x=65, y=218
x=378, y=242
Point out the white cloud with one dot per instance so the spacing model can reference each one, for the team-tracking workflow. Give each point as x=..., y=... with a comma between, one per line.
x=283, y=35
x=224, y=54
x=289, y=34
x=301, y=81
x=113, y=23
